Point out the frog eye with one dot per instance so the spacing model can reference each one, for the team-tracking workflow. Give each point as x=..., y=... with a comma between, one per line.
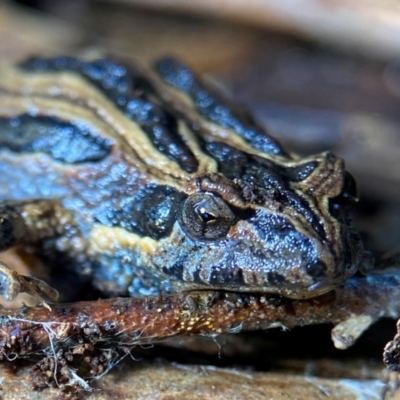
x=206, y=216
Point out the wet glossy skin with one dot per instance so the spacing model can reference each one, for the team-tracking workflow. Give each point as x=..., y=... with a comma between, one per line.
x=150, y=183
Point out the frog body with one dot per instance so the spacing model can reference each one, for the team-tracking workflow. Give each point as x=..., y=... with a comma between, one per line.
x=145, y=181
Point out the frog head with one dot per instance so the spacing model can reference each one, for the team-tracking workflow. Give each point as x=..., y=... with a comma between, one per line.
x=265, y=225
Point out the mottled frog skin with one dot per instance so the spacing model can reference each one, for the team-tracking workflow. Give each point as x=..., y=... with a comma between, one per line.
x=145, y=181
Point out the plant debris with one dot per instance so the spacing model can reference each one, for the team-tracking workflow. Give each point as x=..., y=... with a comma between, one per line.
x=79, y=342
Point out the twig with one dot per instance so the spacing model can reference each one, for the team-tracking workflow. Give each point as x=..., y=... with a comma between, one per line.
x=126, y=322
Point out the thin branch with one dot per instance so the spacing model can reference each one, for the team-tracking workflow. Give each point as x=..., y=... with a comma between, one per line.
x=126, y=322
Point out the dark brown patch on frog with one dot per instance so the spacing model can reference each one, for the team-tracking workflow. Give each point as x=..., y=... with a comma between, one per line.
x=317, y=269
x=62, y=140
x=274, y=278
x=151, y=212
x=298, y=174
x=226, y=276
x=131, y=92
x=177, y=271
x=235, y=163
x=213, y=108
x=11, y=226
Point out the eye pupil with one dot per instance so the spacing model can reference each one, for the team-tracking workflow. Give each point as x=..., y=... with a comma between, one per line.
x=206, y=216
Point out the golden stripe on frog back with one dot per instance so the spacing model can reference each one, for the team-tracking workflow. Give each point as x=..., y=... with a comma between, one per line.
x=67, y=96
